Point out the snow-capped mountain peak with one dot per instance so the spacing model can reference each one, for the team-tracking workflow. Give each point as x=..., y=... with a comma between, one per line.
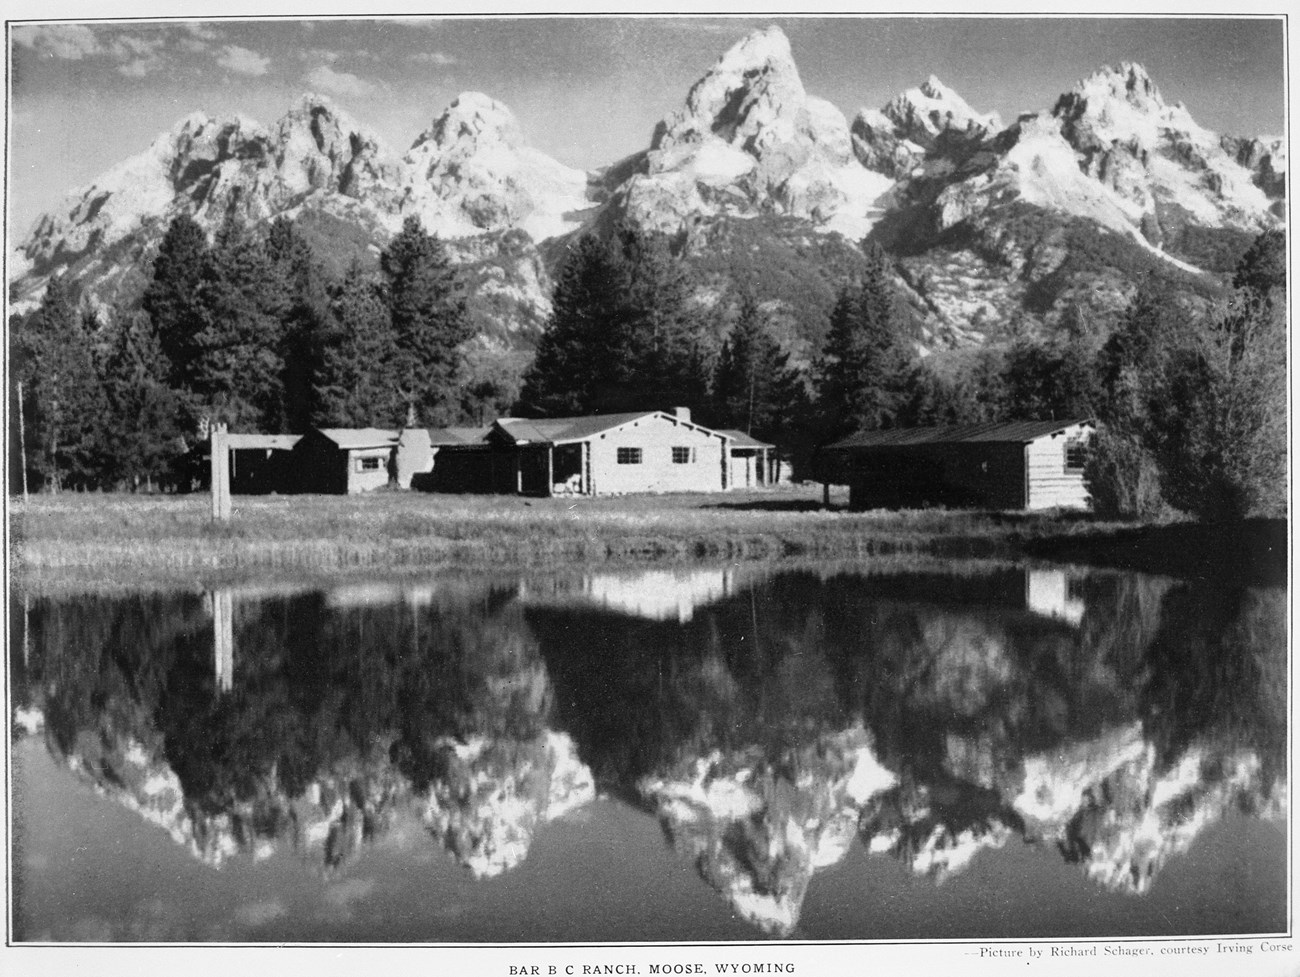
x=471, y=171
x=921, y=114
x=750, y=140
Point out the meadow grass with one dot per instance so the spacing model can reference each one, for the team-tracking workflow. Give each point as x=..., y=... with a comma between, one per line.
x=109, y=534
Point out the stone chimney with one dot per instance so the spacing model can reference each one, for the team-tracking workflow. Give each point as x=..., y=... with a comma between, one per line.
x=682, y=414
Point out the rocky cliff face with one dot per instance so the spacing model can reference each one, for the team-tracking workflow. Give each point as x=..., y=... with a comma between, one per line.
x=988, y=223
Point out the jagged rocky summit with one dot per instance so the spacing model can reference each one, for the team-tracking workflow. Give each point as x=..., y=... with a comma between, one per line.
x=987, y=222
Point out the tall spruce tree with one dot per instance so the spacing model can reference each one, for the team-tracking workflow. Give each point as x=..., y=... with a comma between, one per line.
x=622, y=335
x=754, y=387
x=63, y=398
x=306, y=320
x=236, y=371
x=354, y=385
x=657, y=356
x=575, y=350
x=866, y=365
x=143, y=412
x=427, y=307
x=173, y=299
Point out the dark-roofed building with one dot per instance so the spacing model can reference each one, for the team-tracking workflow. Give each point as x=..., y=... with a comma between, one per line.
x=344, y=460
x=1017, y=465
x=259, y=463
x=601, y=454
x=752, y=462
x=418, y=448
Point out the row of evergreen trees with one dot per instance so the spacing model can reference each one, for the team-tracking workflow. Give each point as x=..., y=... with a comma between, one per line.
x=248, y=329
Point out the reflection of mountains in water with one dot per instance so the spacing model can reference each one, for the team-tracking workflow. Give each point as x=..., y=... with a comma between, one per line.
x=931, y=715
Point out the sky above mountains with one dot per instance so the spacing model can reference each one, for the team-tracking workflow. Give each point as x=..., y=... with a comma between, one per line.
x=587, y=91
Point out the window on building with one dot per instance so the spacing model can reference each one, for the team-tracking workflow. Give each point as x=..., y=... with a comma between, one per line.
x=368, y=464
x=1076, y=455
x=629, y=456
x=683, y=456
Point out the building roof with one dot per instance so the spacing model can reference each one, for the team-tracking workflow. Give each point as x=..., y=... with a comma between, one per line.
x=361, y=437
x=562, y=430
x=739, y=439
x=441, y=437
x=281, y=442
x=1014, y=432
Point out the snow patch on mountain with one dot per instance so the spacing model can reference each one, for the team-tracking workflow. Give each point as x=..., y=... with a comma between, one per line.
x=471, y=172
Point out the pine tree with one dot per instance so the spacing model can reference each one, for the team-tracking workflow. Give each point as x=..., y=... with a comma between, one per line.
x=354, y=385
x=306, y=320
x=173, y=300
x=575, y=350
x=429, y=320
x=236, y=369
x=754, y=387
x=866, y=365
x=657, y=359
x=143, y=413
x=63, y=396
x=622, y=335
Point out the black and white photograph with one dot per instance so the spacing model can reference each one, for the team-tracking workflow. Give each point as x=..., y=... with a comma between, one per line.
x=544, y=492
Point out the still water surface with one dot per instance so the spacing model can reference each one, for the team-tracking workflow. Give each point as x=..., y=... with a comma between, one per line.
x=671, y=755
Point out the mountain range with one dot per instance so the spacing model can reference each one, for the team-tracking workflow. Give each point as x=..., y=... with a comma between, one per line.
x=763, y=187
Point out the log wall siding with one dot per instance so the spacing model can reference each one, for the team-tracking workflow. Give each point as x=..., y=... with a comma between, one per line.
x=657, y=472
x=954, y=475
x=1051, y=484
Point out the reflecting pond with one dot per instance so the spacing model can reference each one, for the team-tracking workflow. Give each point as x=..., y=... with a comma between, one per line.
x=838, y=752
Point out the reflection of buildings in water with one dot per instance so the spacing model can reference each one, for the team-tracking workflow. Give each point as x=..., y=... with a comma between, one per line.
x=757, y=827
x=659, y=595
x=380, y=595
x=1053, y=593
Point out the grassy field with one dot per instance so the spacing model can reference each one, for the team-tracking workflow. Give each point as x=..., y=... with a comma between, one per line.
x=110, y=536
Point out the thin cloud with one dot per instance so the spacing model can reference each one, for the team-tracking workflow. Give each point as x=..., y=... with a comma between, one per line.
x=242, y=61
x=67, y=42
x=320, y=54
x=333, y=82
x=440, y=58
x=140, y=67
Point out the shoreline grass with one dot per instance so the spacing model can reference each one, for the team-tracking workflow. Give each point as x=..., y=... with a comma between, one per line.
x=152, y=537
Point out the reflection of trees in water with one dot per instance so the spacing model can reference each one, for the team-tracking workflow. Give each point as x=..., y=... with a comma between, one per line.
x=335, y=716
x=933, y=715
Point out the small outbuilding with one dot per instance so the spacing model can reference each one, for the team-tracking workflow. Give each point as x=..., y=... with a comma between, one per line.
x=418, y=450
x=1017, y=465
x=261, y=463
x=344, y=461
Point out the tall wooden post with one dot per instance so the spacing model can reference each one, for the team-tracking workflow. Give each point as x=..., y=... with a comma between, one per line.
x=220, y=472
x=22, y=441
